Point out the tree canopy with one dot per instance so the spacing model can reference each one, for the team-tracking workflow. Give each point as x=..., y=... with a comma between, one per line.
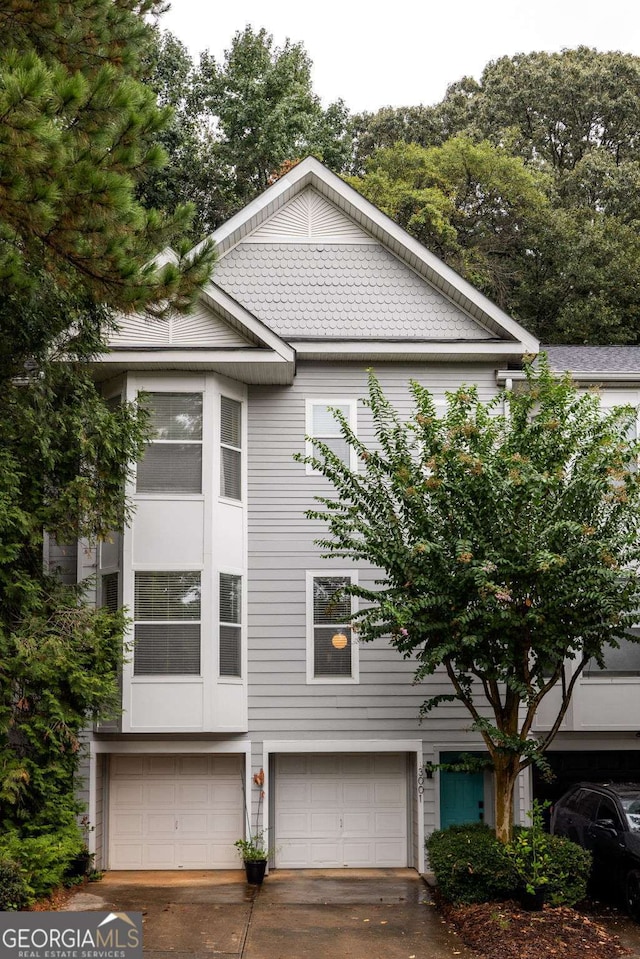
x=508, y=543
x=77, y=138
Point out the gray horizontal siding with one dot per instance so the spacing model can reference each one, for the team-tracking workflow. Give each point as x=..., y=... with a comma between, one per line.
x=384, y=703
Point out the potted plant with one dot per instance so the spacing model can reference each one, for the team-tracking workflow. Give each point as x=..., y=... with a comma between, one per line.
x=254, y=856
x=252, y=849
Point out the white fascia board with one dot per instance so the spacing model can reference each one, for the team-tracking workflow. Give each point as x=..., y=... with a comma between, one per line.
x=499, y=349
x=585, y=376
x=310, y=172
x=186, y=357
x=217, y=297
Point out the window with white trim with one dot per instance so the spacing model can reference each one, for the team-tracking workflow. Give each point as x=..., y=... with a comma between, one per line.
x=618, y=662
x=331, y=653
x=230, y=625
x=230, y=448
x=167, y=624
x=322, y=424
x=172, y=461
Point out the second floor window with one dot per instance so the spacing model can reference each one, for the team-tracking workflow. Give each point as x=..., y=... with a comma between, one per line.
x=230, y=625
x=331, y=652
x=172, y=462
x=167, y=624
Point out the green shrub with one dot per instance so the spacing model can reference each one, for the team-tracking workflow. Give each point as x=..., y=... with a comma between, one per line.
x=44, y=860
x=14, y=894
x=568, y=867
x=470, y=865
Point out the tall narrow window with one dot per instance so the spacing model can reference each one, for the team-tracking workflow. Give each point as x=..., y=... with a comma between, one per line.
x=172, y=462
x=167, y=624
x=109, y=591
x=322, y=424
x=230, y=625
x=332, y=639
x=230, y=448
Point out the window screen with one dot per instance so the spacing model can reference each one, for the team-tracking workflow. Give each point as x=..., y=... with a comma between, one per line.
x=172, y=462
x=332, y=637
x=167, y=624
x=230, y=625
x=230, y=448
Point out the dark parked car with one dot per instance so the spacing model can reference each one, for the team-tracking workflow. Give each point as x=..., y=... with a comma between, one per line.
x=605, y=819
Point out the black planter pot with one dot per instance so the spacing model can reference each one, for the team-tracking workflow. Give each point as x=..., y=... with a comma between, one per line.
x=532, y=901
x=255, y=869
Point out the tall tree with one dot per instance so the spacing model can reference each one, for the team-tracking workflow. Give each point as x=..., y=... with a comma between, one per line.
x=77, y=135
x=472, y=204
x=237, y=123
x=508, y=545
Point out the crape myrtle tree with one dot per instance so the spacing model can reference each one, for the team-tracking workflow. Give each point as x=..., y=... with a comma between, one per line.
x=507, y=537
x=77, y=135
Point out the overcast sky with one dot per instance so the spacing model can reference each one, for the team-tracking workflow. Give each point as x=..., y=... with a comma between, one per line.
x=404, y=52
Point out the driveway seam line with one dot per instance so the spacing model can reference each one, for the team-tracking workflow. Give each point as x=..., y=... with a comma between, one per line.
x=248, y=924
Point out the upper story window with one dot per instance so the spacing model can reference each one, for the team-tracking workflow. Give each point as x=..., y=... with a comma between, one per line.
x=230, y=448
x=331, y=655
x=230, y=625
x=623, y=661
x=321, y=424
x=167, y=624
x=172, y=461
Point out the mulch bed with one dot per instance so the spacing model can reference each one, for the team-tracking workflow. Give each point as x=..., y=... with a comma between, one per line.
x=503, y=930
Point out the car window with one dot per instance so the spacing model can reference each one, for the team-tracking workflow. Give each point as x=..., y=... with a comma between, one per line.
x=587, y=803
x=631, y=806
x=607, y=810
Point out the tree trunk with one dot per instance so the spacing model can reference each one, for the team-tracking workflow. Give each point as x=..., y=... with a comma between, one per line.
x=506, y=773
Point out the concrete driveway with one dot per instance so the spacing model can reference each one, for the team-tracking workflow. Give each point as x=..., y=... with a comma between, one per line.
x=296, y=914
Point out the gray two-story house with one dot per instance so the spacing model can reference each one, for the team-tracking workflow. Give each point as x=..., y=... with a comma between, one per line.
x=240, y=661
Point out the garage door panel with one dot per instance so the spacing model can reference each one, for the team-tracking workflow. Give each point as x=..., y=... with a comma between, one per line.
x=178, y=819
x=159, y=824
x=161, y=766
x=352, y=813
x=128, y=794
x=129, y=824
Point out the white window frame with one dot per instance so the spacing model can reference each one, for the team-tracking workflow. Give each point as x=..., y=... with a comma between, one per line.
x=352, y=419
x=241, y=625
x=354, y=678
x=161, y=676
x=169, y=493
x=236, y=449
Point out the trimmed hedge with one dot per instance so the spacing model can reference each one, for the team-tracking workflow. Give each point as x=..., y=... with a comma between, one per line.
x=470, y=865
x=14, y=894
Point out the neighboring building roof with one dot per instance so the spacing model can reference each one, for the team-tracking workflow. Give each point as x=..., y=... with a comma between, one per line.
x=593, y=359
x=340, y=291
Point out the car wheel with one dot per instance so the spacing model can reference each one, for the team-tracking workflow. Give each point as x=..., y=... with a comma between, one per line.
x=632, y=894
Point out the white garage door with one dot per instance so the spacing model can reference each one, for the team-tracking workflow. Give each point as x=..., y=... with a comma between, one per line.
x=175, y=812
x=341, y=810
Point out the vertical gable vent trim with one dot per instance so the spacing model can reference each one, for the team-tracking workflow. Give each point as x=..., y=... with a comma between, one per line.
x=311, y=218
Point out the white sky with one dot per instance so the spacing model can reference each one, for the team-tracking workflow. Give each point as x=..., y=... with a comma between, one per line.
x=405, y=53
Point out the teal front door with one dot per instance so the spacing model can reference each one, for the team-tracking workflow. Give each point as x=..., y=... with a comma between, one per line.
x=461, y=796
